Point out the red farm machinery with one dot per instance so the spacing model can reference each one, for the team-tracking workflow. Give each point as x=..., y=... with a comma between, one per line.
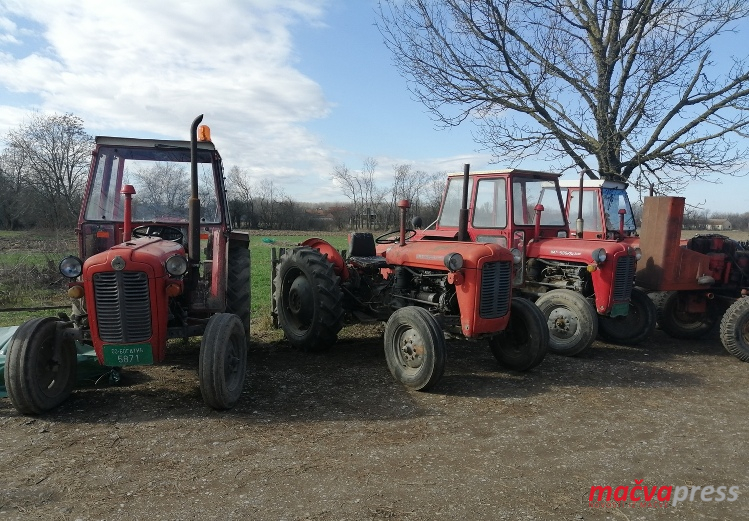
x=422, y=290
x=695, y=283
x=583, y=286
x=140, y=279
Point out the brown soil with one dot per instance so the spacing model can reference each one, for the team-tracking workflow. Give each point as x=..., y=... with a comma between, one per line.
x=332, y=437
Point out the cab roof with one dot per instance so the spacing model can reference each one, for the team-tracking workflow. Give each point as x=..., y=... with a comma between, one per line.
x=507, y=171
x=592, y=183
x=150, y=143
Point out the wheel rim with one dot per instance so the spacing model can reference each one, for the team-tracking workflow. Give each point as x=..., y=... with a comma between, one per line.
x=409, y=349
x=563, y=324
x=50, y=373
x=232, y=364
x=299, y=304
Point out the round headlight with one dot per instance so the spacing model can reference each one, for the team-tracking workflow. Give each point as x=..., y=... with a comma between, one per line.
x=638, y=253
x=599, y=255
x=71, y=267
x=517, y=256
x=176, y=265
x=453, y=261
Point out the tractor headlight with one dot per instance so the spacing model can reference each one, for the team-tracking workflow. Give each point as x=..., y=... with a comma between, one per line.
x=517, y=256
x=176, y=265
x=71, y=267
x=453, y=261
x=638, y=253
x=599, y=255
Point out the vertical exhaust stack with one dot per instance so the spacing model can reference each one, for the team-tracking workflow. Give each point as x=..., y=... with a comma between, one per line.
x=579, y=225
x=463, y=218
x=193, y=227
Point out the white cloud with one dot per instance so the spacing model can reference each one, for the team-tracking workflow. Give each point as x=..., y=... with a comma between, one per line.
x=148, y=68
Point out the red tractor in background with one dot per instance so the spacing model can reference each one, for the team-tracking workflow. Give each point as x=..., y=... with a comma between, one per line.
x=139, y=278
x=422, y=290
x=692, y=282
x=584, y=287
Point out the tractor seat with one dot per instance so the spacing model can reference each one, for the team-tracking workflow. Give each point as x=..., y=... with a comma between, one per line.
x=362, y=253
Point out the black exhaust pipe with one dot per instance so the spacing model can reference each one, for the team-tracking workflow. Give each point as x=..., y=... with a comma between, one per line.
x=463, y=217
x=193, y=205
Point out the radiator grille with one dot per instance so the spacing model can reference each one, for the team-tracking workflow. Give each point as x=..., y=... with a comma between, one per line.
x=624, y=278
x=496, y=283
x=123, y=310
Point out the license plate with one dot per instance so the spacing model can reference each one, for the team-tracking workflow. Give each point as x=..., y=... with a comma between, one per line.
x=117, y=355
x=620, y=310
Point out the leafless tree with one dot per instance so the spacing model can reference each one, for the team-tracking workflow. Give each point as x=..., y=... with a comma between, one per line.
x=15, y=207
x=407, y=184
x=360, y=187
x=625, y=88
x=242, y=198
x=56, y=151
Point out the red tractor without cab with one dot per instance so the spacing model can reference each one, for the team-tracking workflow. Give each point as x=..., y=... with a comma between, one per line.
x=139, y=279
x=422, y=290
x=584, y=287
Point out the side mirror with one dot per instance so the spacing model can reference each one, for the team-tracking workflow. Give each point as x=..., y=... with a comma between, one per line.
x=416, y=222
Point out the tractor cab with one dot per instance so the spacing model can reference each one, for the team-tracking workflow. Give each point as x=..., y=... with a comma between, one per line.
x=158, y=172
x=606, y=211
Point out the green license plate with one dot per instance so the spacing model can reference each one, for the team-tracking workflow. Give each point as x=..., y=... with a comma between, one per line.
x=620, y=310
x=118, y=355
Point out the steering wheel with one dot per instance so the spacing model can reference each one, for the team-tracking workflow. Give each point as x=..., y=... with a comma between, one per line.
x=168, y=233
x=394, y=236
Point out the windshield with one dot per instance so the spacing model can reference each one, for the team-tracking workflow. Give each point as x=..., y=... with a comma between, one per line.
x=161, y=178
x=451, y=208
x=526, y=193
x=613, y=200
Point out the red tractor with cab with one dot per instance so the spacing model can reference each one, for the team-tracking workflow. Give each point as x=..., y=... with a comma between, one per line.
x=584, y=287
x=140, y=278
x=695, y=283
x=422, y=290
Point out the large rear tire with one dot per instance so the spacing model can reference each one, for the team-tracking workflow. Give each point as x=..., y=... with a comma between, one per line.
x=415, y=348
x=40, y=370
x=679, y=323
x=523, y=345
x=635, y=327
x=308, y=299
x=238, y=283
x=223, y=361
x=572, y=321
x=734, y=329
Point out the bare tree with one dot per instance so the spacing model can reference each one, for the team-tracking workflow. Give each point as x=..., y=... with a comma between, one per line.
x=56, y=152
x=15, y=207
x=241, y=198
x=407, y=184
x=361, y=189
x=625, y=88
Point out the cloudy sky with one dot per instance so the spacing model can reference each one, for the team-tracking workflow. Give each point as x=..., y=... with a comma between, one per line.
x=288, y=92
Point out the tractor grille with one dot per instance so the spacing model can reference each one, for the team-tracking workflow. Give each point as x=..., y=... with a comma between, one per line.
x=496, y=282
x=624, y=278
x=123, y=309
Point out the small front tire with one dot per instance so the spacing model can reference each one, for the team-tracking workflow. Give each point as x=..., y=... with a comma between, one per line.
x=40, y=370
x=572, y=321
x=523, y=345
x=635, y=327
x=223, y=361
x=415, y=348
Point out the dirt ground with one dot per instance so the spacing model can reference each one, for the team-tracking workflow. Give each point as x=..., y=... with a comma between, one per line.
x=333, y=437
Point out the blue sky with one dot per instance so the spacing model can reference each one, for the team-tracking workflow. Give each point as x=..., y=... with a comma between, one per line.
x=289, y=92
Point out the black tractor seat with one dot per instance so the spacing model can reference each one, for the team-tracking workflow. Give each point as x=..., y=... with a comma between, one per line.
x=362, y=253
